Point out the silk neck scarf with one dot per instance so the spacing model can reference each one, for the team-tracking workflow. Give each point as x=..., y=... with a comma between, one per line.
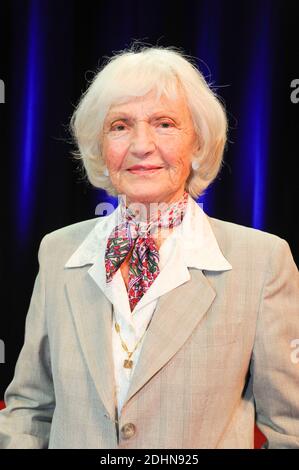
x=135, y=233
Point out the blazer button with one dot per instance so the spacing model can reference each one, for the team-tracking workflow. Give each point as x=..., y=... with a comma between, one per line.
x=128, y=430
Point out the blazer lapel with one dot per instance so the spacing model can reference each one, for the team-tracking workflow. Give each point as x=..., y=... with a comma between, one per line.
x=92, y=313
x=178, y=312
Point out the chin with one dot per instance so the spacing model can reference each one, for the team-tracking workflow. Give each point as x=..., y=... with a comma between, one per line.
x=143, y=197
x=148, y=191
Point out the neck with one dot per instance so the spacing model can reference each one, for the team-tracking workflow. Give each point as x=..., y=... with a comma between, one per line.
x=149, y=209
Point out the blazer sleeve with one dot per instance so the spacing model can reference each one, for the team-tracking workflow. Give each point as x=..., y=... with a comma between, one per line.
x=275, y=360
x=25, y=422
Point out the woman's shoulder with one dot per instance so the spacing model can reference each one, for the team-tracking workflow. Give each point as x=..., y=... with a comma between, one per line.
x=230, y=233
x=72, y=233
x=62, y=242
x=245, y=245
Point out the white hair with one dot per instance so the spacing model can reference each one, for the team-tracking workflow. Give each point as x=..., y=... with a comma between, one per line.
x=134, y=73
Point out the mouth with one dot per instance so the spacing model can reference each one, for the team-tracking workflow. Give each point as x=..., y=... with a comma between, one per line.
x=142, y=170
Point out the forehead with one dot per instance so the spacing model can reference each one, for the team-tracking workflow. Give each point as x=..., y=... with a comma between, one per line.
x=151, y=103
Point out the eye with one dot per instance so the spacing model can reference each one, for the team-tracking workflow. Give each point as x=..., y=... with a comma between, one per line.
x=166, y=124
x=118, y=127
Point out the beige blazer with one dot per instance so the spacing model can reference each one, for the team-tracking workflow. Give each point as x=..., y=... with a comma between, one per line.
x=221, y=349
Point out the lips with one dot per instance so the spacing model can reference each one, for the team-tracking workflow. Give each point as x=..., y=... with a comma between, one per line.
x=144, y=167
x=144, y=170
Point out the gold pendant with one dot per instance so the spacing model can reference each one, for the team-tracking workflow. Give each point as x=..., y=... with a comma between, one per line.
x=128, y=364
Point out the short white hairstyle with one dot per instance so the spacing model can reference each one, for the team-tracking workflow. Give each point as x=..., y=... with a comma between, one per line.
x=133, y=73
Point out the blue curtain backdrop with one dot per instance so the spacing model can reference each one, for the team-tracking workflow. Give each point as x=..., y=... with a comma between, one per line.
x=48, y=51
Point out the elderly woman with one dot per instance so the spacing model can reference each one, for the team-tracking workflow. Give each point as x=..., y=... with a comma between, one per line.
x=156, y=326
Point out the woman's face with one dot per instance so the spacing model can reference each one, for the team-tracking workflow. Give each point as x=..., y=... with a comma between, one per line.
x=148, y=146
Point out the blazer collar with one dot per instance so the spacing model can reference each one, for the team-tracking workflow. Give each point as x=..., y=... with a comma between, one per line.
x=199, y=246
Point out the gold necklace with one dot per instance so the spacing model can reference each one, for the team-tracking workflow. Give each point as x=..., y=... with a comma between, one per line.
x=128, y=363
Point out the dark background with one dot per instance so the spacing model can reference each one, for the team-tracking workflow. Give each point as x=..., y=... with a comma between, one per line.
x=49, y=49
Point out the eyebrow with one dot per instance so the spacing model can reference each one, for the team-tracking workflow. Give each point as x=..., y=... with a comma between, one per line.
x=123, y=116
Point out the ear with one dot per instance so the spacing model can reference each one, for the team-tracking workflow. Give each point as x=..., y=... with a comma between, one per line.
x=197, y=145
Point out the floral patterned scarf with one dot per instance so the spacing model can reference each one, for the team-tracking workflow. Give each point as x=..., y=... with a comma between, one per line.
x=133, y=233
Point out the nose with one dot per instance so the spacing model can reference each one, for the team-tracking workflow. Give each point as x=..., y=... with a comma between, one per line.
x=143, y=140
